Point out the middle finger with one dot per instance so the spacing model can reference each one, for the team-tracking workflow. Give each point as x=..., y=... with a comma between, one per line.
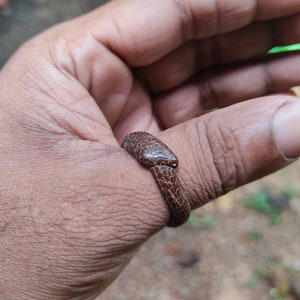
x=196, y=56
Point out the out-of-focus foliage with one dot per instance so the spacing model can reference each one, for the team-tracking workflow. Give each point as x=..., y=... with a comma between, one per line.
x=279, y=49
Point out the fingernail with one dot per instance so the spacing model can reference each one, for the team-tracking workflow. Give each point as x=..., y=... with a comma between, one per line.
x=286, y=129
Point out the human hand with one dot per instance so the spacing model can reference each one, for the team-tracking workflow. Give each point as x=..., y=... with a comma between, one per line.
x=75, y=206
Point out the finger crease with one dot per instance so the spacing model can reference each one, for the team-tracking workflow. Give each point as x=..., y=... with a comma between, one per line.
x=268, y=82
x=207, y=95
x=188, y=24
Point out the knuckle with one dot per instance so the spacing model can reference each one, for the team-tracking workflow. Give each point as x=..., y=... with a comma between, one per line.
x=222, y=160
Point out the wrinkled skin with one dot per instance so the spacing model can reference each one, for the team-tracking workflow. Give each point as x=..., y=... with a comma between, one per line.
x=75, y=206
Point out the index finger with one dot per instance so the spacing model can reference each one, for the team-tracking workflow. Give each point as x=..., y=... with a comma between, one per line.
x=230, y=147
x=143, y=31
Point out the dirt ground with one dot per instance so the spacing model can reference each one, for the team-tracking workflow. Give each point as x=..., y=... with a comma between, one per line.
x=245, y=245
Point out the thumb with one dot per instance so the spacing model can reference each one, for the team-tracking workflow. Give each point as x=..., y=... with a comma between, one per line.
x=227, y=148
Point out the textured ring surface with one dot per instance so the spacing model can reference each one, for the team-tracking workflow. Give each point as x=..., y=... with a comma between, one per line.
x=153, y=154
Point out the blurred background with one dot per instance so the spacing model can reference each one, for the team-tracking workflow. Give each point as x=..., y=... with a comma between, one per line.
x=244, y=245
x=20, y=20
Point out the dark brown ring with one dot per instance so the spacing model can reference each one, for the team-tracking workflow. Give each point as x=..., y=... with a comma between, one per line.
x=153, y=154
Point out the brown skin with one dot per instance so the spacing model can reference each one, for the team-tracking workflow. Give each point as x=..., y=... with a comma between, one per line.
x=75, y=207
